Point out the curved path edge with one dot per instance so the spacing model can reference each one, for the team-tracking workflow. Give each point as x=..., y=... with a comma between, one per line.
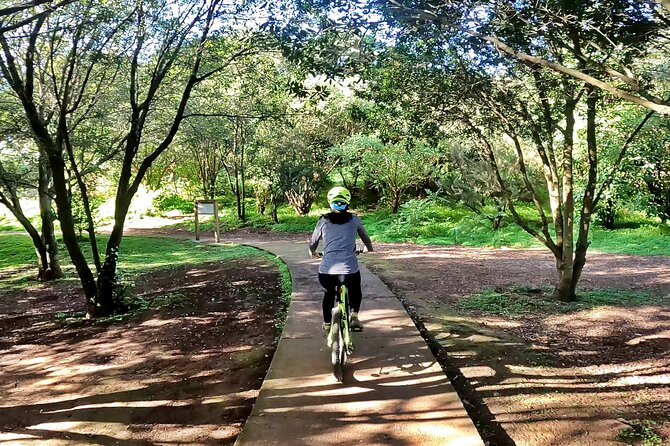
x=394, y=392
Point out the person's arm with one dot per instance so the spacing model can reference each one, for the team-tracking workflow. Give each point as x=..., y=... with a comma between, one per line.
x=316, y=237
x=363, y=234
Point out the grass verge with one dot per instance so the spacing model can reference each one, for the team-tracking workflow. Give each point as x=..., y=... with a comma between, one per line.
x=18, y=266
x=434, y=222
x=519, y=302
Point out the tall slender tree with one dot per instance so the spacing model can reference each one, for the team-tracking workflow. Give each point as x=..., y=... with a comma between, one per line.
x=73, y=53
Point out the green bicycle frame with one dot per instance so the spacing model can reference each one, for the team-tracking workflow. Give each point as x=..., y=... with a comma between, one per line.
x=344, y=323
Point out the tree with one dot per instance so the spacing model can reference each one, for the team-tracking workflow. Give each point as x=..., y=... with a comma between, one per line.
x=467, y=178
x=392, y=168
x=205, y=143
x=270, y=139
x=26, y=171
x=455, y=79
x=320, y=125
x=647, y=169
x=255, y=91
x=17, y=174
x=620, y=33
x=154, y=44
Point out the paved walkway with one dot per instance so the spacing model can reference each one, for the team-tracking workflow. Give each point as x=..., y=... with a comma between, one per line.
x=394, y=392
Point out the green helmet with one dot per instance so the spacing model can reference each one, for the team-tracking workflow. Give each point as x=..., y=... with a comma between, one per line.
x=339, y=194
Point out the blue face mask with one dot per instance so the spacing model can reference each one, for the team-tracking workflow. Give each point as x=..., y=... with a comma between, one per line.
x=339, y=206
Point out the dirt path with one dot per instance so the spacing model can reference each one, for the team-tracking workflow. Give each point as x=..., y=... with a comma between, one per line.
x=185, y=374
x=549, y=379
x=546, y=379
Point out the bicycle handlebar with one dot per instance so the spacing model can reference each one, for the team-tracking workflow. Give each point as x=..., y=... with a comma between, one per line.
x=357, y=252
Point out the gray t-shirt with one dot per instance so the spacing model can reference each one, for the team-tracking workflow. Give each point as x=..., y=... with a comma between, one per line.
x=339, y=240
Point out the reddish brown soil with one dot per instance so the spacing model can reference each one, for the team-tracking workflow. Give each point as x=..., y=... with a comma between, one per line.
x=562, y=379
x=182, y=375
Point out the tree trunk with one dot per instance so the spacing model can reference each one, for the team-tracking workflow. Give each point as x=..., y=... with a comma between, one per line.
x=53, y=269
x=395, y=201
x=236, y=171
x=243, y=215
x=274, y=204
x=565, y=289
x=109, y=295
x=68, y=228
x=589, y=191
x=13, y=204
x=40, y=249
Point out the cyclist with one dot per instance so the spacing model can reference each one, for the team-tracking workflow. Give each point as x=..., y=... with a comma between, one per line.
x=338, y=230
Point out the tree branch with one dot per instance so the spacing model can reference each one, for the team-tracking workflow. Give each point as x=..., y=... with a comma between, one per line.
x=24, y=22
x=650, y=102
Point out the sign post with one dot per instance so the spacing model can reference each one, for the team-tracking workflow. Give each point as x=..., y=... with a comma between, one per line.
x=207, y=207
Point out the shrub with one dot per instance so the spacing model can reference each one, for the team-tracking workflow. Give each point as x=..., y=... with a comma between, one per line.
x=173, y=202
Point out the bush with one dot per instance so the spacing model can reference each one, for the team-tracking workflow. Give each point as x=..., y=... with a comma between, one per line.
x=173, y=202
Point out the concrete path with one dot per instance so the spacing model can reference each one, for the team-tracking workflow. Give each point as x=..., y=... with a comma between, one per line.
x=394, y=392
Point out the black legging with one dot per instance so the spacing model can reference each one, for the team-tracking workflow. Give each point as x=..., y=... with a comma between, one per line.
x=330, y=283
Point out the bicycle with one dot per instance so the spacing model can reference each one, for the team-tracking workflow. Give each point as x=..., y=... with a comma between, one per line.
x=339, y=338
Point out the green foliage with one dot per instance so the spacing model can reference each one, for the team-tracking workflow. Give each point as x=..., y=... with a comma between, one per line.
x=394, y=168
x=96, y=200
x=645, y=237
x=468, y=178
x=432, y=221
x=350, y=159
x=298, y=223
x=173, y=202
x=518, y=302
x=643, y=178
x=289, y=221
x=435, y=222
x=641, y=432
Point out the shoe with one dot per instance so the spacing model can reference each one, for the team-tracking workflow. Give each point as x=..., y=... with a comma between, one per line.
x=326, y=329
x=354, y=323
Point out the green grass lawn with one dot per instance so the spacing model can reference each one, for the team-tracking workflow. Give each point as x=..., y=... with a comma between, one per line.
x=419, y=221
x=289, y=221
x=16, y=251
x=137, y=254
x=18, y=263
x=431, y=223
x=441, y=225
